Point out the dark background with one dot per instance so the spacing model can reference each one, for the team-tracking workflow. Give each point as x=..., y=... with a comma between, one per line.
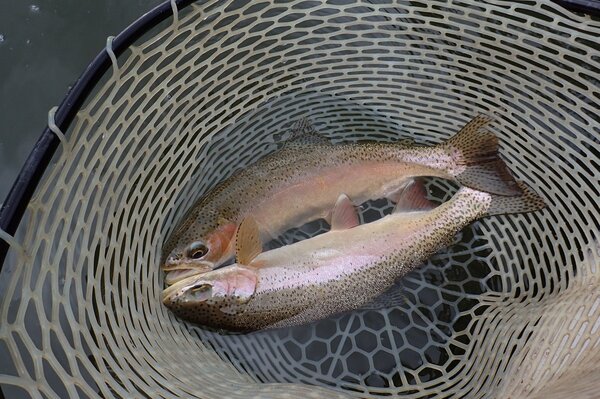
x=44, y=46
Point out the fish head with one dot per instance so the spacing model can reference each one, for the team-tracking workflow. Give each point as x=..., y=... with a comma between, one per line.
x=200, y=255
x=212, y=297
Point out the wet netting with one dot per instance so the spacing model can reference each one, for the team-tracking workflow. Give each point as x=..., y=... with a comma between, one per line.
x=511, y=309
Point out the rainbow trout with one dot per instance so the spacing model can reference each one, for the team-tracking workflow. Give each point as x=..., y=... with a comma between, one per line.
x=334, y=272
x=301, y=182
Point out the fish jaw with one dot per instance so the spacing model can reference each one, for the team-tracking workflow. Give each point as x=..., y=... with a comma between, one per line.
x=221, y=247
x=221, y=243
x=212, y=298
x=174, y=275
x=234, y=280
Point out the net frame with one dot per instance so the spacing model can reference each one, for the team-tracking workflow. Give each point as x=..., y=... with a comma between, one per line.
x=14, y=206
x=50, y=141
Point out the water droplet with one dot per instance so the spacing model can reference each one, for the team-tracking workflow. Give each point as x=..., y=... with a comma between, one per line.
x=28, y=41
x=34, y=8
x=166, y=99
x=2, y=38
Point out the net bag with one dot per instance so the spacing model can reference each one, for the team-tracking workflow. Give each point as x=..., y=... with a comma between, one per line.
x=512, y=309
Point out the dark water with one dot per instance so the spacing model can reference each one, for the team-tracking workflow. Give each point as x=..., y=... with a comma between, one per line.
x=44, y=46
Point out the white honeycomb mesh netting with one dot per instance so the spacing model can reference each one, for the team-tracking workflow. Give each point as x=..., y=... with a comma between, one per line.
x=512, y=309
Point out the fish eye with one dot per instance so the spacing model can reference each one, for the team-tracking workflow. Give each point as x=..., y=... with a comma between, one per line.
x=197, y=250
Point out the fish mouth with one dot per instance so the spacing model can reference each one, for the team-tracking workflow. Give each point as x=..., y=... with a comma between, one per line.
x=202, y=265
x=233, y=282
x=182, y=285
x=169, y=294
x=176, y=275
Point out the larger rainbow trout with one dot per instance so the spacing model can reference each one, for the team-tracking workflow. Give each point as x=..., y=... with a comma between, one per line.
x=302, y=181
x=337, y=271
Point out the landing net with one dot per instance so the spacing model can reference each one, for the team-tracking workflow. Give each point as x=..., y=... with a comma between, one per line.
x=512, y=309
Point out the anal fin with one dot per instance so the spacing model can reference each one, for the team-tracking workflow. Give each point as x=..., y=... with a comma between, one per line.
x=413, y=198
x=344, y=215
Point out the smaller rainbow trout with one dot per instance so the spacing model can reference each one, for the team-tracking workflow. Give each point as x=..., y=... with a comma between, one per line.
x=334, y=272
x=301, y=182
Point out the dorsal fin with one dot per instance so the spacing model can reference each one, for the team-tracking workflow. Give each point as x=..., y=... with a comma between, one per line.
x=413, y=198
x=303, y=132
x=247, y=241
x=344, y=215
x=408, y=142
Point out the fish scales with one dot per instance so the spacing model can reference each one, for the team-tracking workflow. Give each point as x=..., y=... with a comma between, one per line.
x=301, y=182
x=361, y=279
x=339, y=270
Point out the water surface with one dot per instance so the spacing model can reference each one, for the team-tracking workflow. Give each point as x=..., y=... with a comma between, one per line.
x=44, y=47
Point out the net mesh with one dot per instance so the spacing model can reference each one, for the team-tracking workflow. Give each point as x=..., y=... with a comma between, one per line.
x=511, y=309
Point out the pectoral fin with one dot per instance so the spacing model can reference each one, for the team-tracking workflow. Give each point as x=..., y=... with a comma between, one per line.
x=248, y=244
x=344, y=215
x=413, y=198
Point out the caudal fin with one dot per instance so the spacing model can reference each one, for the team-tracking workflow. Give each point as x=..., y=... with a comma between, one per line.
x=475, y=151
x=527, y=201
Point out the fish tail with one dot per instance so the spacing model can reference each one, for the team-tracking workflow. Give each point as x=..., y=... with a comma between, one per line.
x=527, y=201
x=477, y=164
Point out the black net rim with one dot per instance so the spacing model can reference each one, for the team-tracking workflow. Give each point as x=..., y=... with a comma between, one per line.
x=27, y=180
x=20, y=194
